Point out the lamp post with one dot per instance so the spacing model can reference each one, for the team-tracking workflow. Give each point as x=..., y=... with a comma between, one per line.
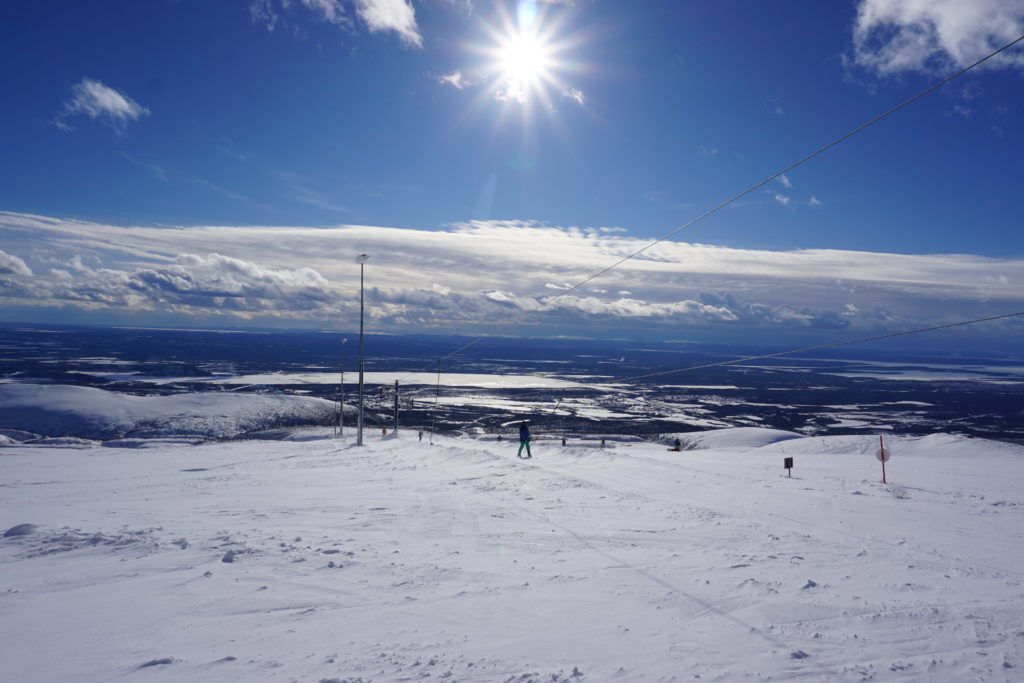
x=361, y=260
x=341, y=400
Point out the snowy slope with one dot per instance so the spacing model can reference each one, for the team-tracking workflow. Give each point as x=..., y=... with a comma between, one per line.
x=736, y=438
x=403, y=561
x=59, y=410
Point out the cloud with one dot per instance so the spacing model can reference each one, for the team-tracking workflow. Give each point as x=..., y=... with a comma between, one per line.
x=100, y=103
x=210, y=284
x=472, y=275
x=706, y=151
x=391, y=15
x=575, y=94
x=455, y=79
x=331, y=11
x=12, y=265
x=934, y=36
x=786, y=182
x=782, y=199
x=814, y=201
x=377, y=15
x=158, y=171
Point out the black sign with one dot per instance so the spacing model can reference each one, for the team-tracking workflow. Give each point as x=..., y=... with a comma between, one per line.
x=788, y=463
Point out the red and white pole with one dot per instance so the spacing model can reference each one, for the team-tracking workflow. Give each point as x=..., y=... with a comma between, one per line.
x=881, y=446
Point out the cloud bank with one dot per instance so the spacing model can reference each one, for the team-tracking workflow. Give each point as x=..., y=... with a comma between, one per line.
x=473, y=275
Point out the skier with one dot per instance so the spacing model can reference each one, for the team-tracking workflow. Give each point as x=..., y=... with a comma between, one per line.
x=524, y=440
x=563, y=440
x=421, y=435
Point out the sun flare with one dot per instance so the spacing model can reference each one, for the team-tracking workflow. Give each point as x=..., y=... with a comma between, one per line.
x=524, y=59
x=523, y=56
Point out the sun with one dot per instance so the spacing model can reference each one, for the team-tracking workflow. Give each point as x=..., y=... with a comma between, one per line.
x=521, y=58
x=524, y=61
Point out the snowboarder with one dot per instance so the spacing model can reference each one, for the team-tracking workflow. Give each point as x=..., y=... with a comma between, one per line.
x=421, y=435
x=499, y=437
x=602, y=443
x=563, y=440
x=524, y=441
x=677, y=446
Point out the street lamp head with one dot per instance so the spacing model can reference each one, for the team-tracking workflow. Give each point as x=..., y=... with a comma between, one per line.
x=362, y=258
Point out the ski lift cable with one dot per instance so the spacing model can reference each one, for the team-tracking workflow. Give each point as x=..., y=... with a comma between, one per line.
x=805, y=349
x=718, y=207
x=825, y=346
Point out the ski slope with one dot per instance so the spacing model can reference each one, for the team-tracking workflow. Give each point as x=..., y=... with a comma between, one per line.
x=316, y=560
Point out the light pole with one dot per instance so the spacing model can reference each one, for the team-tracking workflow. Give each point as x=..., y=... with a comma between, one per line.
x=361, y=260
x=341, y=400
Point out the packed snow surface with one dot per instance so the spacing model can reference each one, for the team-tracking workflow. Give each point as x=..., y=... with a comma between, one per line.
x=405, y=560
x=56, y=410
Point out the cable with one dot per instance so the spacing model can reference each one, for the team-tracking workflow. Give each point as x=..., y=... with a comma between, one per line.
x=744, y=193
x=824, y=346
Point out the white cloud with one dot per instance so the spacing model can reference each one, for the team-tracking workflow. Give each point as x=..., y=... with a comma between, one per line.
x=479, y=273
x=786, y=182
x=391, y=15
x=100, y=103
x=455, y=79
x=12, y=265
x=574, y=94
x=706, y=151
x=782, y=199
x=377, y=15
x=329, y=10
x=934, y=36
x=813, y=201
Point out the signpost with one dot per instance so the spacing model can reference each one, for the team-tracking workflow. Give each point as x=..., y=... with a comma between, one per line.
x=883, y=456
x=788, y=464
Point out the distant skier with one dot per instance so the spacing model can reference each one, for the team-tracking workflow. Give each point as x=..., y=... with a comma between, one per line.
x=602, y=443
x=563, y=440
x=524, y=441
x=421, y=435
x=677, y=446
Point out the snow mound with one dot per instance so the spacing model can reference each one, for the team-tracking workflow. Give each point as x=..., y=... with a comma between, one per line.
x=89, y=413
x=743, y=438
x=931, y=445
x=17, y=435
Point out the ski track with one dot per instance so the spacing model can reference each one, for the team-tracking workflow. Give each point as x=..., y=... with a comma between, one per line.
x=401, y=561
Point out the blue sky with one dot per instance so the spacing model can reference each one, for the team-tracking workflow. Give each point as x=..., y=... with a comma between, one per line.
x=449, y=122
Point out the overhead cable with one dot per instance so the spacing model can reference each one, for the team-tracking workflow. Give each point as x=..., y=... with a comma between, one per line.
x=821, y=150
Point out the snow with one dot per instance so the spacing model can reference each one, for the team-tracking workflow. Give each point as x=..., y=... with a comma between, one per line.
x=63, y=410
x=314, y=560
x=740, y=438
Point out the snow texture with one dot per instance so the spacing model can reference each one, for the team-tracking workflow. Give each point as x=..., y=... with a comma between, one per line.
x=457, y=562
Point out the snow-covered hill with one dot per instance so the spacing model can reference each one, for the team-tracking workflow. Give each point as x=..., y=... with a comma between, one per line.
x=320, y=561
x=56, y=410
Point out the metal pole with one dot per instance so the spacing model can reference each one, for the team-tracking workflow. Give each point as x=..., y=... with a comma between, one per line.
x=361, y=260
x=341, y=400
x=396, y=407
